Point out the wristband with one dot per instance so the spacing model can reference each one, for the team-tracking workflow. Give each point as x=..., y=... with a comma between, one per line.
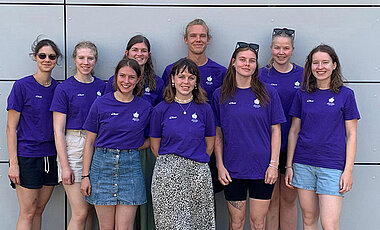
x=274, y=166
x=82, y=177
x=288, y=167
x=273, y=161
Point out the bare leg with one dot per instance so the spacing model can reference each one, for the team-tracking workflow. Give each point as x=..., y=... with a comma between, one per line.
x=106, y=216
x=310, y=208
x=258, y=210
x=273, y=215
x=79, y=207
x=125, y=217
x=288, y=206
x=331, y=208
x=236, y=211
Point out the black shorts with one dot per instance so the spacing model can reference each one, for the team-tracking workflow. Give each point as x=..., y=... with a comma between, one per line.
x=216, y=185
x=237, y=190
x=282, y=161
x=36, y=172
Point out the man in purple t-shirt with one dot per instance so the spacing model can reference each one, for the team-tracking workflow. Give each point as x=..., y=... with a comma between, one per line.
x=197, y=38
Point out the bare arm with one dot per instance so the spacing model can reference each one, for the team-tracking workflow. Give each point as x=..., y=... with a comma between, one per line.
x=346, y=178
x=155, y=145
x=210, y=142
x=292, y=142
x=145, y=145
x=223, y=175
x=88, y=153
x=59, y=123
x=272, y=170
x=12, y=123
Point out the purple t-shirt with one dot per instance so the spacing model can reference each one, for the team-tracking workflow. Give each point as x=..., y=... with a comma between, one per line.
x=75, y=98
x=183, y=134
x=118, y=125
x=35, y=136
x=212, y=75
x=286, y=85
x=322, y=138
x=246, y=127
x=152, y=96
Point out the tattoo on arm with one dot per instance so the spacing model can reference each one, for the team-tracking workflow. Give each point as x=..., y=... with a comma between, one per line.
x=240, y=205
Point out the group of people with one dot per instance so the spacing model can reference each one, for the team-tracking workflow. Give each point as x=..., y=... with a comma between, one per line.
x=175, y=141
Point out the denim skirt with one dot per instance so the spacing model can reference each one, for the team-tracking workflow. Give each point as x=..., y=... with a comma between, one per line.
x=116, y=178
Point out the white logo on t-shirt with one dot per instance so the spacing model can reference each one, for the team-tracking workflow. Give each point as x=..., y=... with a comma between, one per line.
x=209, y=80
x=80, y=94
x=136, y=116
x=38, y=96
x=256, y=103
x=331, y=101
x=99, y=93
x=172, y=117
x=309, y=101
x=273, y=84
x=297, y=85
x=232, y=103
x=114, y=114
x=194, y=116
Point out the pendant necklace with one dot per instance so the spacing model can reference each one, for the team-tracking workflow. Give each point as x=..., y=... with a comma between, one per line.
x=184, y=110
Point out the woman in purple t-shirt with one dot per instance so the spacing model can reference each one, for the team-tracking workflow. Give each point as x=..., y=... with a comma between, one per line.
x=70, y=106
x=182, y=134
x=286, y=78
x=112, y=178
x=322, y=140
x=32, y=155
x=248, y=116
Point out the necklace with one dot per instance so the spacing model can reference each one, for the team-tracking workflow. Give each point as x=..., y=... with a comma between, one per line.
x=184, y=110
x=183, y=101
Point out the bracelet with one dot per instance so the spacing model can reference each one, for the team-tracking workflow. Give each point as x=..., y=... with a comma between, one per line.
x=273, y=161
x=288, y=167
x=274, y=166
x=82, y=177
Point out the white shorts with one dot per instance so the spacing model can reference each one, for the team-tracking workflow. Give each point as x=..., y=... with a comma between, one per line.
x=75, y=140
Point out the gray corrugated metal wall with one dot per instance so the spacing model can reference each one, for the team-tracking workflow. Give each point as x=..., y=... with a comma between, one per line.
x=352, y=28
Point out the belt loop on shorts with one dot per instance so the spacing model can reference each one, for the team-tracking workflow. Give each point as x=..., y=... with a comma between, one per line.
x=46, y=164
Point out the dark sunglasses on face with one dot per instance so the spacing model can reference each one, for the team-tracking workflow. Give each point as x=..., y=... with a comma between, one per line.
x=289, y=32
x=245, y=44
x=50, y=56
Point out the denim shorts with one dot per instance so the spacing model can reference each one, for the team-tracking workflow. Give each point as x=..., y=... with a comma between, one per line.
x=116, y=178
x=323, y=181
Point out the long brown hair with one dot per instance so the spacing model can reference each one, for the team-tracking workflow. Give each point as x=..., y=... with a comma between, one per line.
x=148, y=77
x=309, y=82
x=199, y=95
x=229, y=86
x=135, y=66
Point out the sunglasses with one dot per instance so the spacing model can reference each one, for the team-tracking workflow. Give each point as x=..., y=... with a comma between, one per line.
x=50, y=56
x=289, y=32
x=245, y=45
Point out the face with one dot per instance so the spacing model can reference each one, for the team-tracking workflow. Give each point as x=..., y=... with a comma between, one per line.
x=85, y=61
x=139, y=52
x=184, y=84
x=46, y=64
x=245, y=63
x=197, y=39
x=322, y=66
x=282, y=50
x=127, y=80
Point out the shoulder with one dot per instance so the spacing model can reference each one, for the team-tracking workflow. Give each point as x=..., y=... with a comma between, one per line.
x=98, y=80
x=216, y=93
x=346, y=90
x=159, y=80
x=142, y=102
x=169, y=67
x=212, y=64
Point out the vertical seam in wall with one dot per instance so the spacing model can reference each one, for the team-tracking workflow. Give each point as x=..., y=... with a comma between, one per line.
x=65, y=77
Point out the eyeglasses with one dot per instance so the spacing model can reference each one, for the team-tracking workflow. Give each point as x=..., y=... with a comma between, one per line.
x=289, y=32
x=245, y=45
x=50, y=56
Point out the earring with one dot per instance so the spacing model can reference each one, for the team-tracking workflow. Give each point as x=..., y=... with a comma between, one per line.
x=195, y=86
x=172, y=84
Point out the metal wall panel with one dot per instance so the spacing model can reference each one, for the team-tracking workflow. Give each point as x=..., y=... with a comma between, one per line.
x=32, y=1
x=5, y=89
x=53, y=217
x=368, y=100
x=164, y=27
x=20, y=25
x=229, y=2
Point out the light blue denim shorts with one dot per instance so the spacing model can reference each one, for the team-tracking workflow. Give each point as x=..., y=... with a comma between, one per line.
x=323, y=181
x=116, y=178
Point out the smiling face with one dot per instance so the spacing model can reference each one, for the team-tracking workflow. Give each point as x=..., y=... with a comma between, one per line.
x=126, y=80
x=282, y=50
x=245, y=63
x=139, y=52
x=85, y=61
x=197, y=39
x=184, y=83
x=46, y=64
x=322, y=67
